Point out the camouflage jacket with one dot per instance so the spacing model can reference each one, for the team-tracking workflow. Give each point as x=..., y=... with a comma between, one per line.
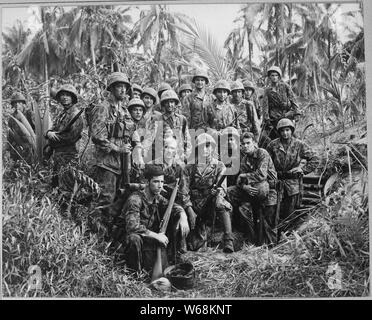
x=178, y=124
x=202, y=178
x=193, y=107
x=139, y=214
x=277, y=103
x=220, y=116
x=247, y=115
x=286, y=160
x=112, y=126
x=67, y=141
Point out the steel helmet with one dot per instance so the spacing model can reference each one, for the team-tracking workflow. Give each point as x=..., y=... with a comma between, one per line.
x=183, y=87
x=17, y=97
x=162, y=87
x=151, y=92
x=117, y=77
x=249, y=84
x=137, y=87
x=169, y=95
x=222, y=84
x=274, y=69
x=237, y=85
x=282, y=123
x=70, y=89
x=202, y=74
x=181, y=276
x=136, y=102
x=204, y=138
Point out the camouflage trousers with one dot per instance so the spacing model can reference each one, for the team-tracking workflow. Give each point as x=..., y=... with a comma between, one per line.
x=109, y=183
x=288, y=217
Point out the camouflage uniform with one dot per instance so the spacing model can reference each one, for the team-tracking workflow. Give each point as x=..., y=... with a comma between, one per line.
x=112, y=127
x=277, y=105
x=247, y=116
x=201, y=180
x=193, y=107
x=178, y=124
x=138, y=215
x=256, y=168
x=285, y=160
x=219, y=116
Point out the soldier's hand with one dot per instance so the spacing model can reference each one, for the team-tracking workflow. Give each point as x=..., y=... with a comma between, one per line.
x=296, y=170
x=162, y=238
x=192, y=217
x=52, y=135
x=252, y=191
x=126, y=148
x=183, y=225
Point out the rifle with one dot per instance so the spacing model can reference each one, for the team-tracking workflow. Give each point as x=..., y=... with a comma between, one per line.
x=280, y=191
x=48, y=149
x=157, y=270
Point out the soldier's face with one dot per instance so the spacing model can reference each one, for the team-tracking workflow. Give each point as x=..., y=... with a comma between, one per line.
x=65, y=99
x=119, y=90
x=170, y=149
x=221, y=94
x=248, y=145
x=156, y=184
x=207, y=149
x=136, y=94
x=248, y=92
x=18, y=105
x=199, y=82
x=274, y=77
x=286, y=133
x=170, y=106
x=237, y=94
x=136, y=113
x=185, y=93
x=147, y=100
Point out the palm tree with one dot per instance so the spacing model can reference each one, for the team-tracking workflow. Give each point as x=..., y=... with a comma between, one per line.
x=155, y=29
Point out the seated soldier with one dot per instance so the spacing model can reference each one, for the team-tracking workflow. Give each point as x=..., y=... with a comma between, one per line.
x=251, y=186
x=208, y=199
x=138, y=223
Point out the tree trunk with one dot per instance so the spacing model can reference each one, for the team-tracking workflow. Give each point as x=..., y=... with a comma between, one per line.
x=93, y=55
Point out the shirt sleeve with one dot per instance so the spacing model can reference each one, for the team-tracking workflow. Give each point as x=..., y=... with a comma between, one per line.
x=74, y=133
x=311, y=157
x=99, y=129
x=133, y=215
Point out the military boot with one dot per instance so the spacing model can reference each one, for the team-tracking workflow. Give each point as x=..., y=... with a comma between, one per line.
x=228, y=244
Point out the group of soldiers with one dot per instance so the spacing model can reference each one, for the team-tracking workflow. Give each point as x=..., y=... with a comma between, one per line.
x=231, y=154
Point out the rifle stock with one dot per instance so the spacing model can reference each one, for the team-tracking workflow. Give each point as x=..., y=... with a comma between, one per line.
x=157, y=270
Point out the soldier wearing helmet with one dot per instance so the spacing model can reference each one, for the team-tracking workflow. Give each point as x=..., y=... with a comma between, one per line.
x=137, y=110
x=278, y=102
x=209, y=203
x=251, y=94
x=164, y=86
x=194, y=104
x=151, y=120
x=136, y=91
x=184, y=90
x=289, y=155
x=221, y=113
x=247, y=115
x=63, y=143
x=251, y=191
x=114, y=134
x=176, y=122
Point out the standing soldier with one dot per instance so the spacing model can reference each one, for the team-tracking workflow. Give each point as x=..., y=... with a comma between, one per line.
x=208, y=199
x=184, y=90
x=139, y=220
x=137, y=110
x=113, y=133
x=176, y=122
x=251, y=186
x=194, y=104
x=288, y=153
x=221, y=113
x=136, y=91
x=247, y=116
x=164, y=86
x=251, y=95
x=151, y=118
x=278, y=102
x=63, y=136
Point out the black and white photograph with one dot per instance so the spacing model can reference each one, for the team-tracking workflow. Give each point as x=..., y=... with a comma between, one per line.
x=185, y=150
